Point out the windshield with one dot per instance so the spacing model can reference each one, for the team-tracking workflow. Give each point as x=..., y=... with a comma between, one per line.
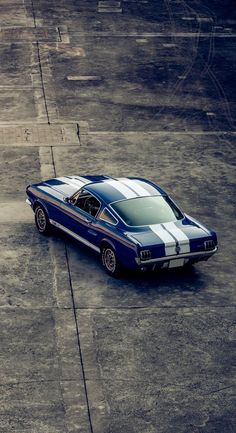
x=147, y=210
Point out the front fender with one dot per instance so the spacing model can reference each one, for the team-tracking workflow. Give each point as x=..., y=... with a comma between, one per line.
x=41, y=202
x=34, y=199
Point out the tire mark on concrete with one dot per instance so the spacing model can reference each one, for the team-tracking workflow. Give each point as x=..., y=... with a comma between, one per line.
x=189, y=11
x=179, y=83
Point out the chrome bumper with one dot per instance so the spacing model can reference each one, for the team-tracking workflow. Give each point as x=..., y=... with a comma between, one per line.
x=28, y=202
x=197, y=255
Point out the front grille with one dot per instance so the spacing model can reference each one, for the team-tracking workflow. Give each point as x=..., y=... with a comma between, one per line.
x=209, y=245
x=145, y=255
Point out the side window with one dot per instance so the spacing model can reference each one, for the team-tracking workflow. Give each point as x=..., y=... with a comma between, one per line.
x=88, y=203
x=105, y=215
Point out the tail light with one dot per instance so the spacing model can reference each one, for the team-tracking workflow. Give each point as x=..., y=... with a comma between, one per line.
x=145, y=254
x=209, y=245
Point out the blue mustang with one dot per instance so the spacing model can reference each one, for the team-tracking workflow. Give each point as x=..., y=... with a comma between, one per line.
x=130, y=222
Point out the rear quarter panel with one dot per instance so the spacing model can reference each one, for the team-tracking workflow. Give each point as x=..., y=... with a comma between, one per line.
x=126, y=250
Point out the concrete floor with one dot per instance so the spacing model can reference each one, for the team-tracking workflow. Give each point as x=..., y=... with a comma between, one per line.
x=136, y=87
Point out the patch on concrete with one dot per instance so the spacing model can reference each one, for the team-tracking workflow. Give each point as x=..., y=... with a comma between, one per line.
x=67, y=50
x=84, y=78
x=204, y=19
x=63, y=34
x=169, y=45
x=188, y=18
x=46, y=163
x=38, y=135
x=109, y=6
x=109, y=3
x=141, y=41
x=18, y=34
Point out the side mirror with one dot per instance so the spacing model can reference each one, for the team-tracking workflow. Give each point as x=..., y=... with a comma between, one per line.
x=66, y=199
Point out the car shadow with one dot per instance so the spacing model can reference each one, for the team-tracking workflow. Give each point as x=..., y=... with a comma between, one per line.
x=189, y=279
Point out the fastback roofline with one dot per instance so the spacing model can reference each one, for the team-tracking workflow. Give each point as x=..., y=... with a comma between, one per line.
x=154, y=185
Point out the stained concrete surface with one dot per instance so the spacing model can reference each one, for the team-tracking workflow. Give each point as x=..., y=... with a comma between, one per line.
x=17, y=168
x=134, y=92
x=187, y=374
x=124, y=88
x=39, y=363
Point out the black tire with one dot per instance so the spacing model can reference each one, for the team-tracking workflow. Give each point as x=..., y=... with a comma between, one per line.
x=41, y=220
x=110, y=261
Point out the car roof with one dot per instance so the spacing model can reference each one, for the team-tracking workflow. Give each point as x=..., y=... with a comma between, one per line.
x=114, y=189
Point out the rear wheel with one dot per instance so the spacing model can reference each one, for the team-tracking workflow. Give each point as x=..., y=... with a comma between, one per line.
x=41, y=220
x=110, y=261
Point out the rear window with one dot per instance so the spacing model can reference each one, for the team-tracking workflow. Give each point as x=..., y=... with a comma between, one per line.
x=147, y=210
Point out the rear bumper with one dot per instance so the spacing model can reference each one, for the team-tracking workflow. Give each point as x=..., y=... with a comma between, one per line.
x=200, y=255
x=28, y=202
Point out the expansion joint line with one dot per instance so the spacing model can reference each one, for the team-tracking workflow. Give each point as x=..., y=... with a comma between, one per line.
x=40, y=64
x=78, y=134
x=78, y=340
x=42, y=82
x=53, y=161
x=75, y=317
x=33, y=13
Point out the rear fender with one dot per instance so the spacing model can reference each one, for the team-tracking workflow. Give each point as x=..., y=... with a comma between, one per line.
x=108, y=242
x=126, y=256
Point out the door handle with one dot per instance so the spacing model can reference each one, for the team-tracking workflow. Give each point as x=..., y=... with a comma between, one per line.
x=92, y=232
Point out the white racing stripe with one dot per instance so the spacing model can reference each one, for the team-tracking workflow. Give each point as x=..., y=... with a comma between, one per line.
x=179, y=235
x=169, y=241
x=78, y=184
x=142, y=192
x=53, y=192
x=123, y=189
x=81, y=179
x=73, y=182
x=148, y=187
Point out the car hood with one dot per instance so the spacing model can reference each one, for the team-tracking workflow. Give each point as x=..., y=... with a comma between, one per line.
x=63, y=186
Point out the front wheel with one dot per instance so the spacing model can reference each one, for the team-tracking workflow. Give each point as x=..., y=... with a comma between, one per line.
x=41, y=220
x=110, y=261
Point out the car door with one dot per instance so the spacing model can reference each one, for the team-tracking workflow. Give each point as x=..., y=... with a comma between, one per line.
x=78, y=215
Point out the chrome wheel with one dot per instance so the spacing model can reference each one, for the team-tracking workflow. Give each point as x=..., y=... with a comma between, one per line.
x=109, y=259
x=41, y=220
